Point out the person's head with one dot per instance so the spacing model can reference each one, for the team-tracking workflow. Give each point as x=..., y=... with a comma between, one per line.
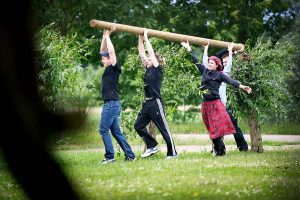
x=214, y=63
x=159, y=59
x=225, y=59
x=105, y=58
x=148, y=62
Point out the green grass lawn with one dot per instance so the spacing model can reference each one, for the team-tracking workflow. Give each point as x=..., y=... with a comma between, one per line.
x=270, y=175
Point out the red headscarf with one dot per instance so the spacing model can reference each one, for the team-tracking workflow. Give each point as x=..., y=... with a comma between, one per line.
x=217, y=61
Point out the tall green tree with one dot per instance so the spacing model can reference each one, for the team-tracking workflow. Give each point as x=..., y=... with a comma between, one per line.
x=60, y=76
x=267, y=73
x=294, y=82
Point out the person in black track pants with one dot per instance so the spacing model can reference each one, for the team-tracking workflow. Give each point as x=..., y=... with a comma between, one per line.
x=152, y=107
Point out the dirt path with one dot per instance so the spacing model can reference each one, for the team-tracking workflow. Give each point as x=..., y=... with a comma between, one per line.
x=275, y=138
x=206, y=147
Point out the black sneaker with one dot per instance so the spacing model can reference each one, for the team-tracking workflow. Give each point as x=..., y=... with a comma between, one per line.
x=213, y=152
x=243, y=150
x=128, y=159
x=220, y=153
x=107, y=161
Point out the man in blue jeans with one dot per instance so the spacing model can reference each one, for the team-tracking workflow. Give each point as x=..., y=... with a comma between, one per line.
x=110, y=116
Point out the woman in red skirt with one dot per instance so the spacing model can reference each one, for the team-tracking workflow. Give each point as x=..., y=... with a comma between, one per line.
x=214, y=114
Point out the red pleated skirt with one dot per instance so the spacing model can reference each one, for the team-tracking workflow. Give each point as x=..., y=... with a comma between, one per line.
x=216, y=119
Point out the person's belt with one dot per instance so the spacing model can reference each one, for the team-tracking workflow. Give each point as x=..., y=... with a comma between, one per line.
x=109, y=100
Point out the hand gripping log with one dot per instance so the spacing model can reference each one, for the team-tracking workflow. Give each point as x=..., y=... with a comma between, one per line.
x=165, y=35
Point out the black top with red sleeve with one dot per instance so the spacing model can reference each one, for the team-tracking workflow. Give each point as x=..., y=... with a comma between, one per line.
x=211, y=81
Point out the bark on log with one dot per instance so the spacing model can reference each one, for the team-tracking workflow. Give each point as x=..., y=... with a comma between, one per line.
x=165, y=35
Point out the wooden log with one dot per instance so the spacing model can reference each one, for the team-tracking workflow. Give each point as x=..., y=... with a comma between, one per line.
x=165, y=35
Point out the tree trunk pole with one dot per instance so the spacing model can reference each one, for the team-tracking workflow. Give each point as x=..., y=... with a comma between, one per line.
x=151, y=130
x=255, y=134
x=165, y=35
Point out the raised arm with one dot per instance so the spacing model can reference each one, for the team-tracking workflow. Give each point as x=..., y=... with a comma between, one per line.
x=205, y=55
x=150, y=49
x=227, y=67
x=103, y=46
x=142, y=50
x=187, y=46
x=110, y=47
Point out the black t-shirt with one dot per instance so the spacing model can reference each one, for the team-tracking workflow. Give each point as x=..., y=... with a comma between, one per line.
x=110, y=81
x=152, y=82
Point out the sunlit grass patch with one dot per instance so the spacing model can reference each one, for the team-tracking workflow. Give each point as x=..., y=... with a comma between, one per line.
x=269, y=175
x=191, y=176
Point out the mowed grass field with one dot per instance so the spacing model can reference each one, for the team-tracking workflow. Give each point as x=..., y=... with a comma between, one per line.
x=274, y=174
x=270, y=175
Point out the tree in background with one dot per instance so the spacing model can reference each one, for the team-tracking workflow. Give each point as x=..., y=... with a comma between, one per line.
x=233, y=20
x=266, y=72
x=294, y=82
x=61, y=82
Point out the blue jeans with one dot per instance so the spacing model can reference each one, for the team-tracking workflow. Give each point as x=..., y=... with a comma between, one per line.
x=110, y=120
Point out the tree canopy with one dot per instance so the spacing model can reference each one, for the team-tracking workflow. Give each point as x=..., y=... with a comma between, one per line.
x=237, y=21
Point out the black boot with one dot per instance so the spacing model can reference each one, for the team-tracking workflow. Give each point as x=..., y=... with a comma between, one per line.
x=219, y=147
